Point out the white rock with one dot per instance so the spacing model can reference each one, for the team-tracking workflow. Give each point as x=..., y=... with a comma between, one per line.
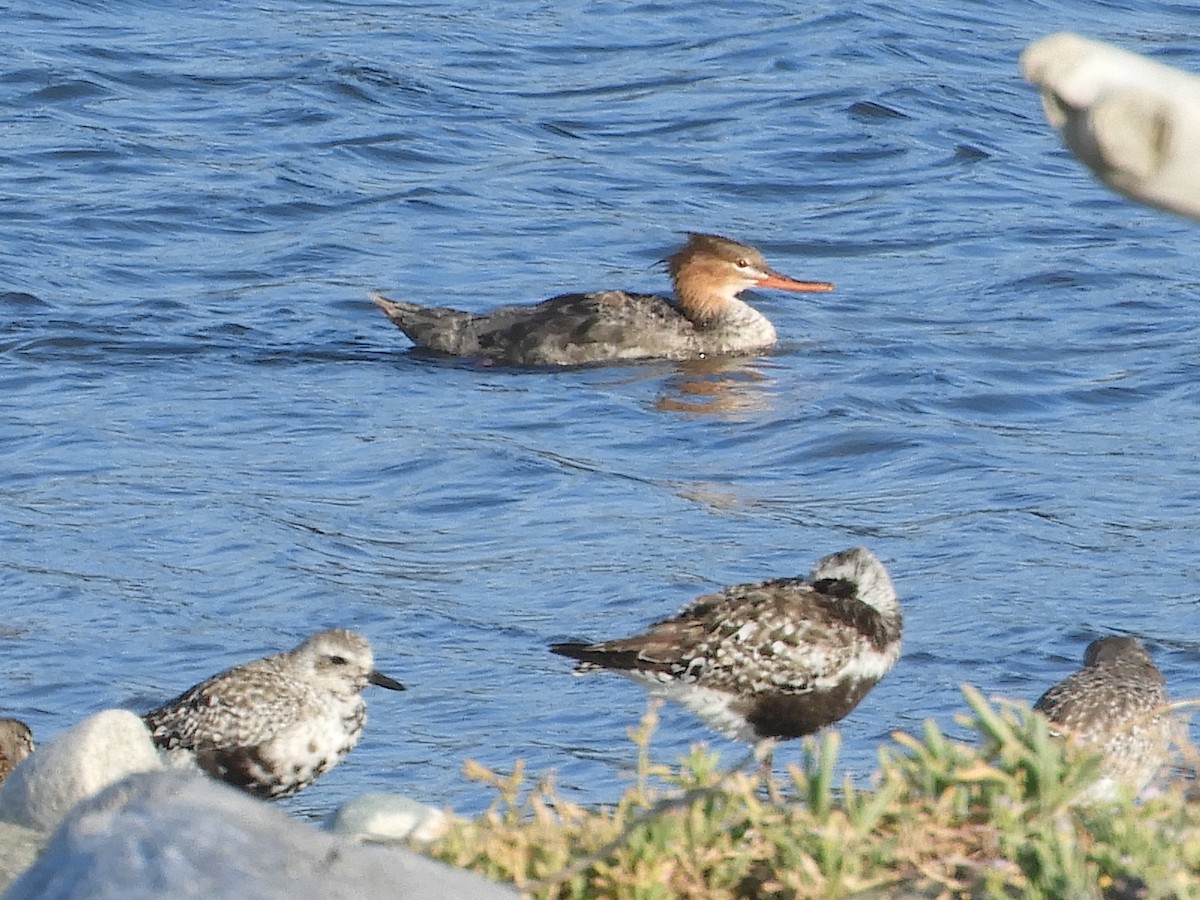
x=79, y=763
x=172, y=834
x=1133, y=121
x=386, y=817
x=19, y=847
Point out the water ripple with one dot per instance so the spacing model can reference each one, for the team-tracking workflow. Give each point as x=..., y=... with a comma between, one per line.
x=213, y=444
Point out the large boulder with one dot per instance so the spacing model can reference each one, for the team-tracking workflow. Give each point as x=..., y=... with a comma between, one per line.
x=176, y=834
x=79, y=763
x=19, y=847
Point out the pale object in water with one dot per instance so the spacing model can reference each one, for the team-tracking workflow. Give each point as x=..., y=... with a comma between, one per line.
x=1132, y=121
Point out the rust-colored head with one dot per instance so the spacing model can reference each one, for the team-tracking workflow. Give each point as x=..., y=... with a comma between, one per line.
x=709, y=272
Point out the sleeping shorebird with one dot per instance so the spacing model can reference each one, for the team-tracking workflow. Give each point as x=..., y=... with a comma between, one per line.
x=768, y=661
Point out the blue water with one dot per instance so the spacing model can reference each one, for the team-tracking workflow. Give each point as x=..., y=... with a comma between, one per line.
x=211, y=444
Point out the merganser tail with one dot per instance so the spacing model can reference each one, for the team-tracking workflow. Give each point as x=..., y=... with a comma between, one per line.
x=435, y=327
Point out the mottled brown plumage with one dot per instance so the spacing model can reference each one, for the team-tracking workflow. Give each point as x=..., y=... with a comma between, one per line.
x=1115, y=705
x=776, y=659
x=16, y=743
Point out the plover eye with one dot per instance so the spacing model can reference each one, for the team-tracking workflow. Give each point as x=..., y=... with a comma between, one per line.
x=339, y=660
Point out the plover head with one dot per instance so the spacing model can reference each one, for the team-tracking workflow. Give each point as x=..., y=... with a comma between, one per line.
x=339, y=661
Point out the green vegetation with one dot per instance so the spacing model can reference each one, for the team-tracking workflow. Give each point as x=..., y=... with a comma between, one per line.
x=942, y=819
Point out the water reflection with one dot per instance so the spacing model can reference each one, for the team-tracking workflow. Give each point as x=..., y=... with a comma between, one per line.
x=721, y=386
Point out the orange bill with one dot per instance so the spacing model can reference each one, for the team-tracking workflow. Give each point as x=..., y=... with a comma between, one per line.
x=787, y=283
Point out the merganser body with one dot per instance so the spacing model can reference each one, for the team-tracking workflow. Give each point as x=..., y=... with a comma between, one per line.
x=705, y=318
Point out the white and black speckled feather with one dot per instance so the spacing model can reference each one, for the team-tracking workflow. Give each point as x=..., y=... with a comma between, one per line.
x=1115, y=705
x=775, y=659
x=275, y=725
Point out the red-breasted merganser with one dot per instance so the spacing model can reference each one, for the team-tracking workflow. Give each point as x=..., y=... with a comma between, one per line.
x=772, y=660
x=1116, y=705
x=706, y=317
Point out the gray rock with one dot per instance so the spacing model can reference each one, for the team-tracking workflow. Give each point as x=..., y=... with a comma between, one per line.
x=173, y=834
x=385, y=817
x=19, y=847
x=81, y=762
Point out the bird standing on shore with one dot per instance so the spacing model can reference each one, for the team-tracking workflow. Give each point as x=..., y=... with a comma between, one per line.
x=774, y=660
x=1116, y=706
x=275, y=725
x=705, y=318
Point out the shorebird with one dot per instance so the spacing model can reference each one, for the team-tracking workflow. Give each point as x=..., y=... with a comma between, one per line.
x=768, y=661
x=705, y=318
x=275, y=725
x=1116, y=706
x=16, y=743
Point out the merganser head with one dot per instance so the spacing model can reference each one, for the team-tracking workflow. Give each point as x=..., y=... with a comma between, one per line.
x=709, y=271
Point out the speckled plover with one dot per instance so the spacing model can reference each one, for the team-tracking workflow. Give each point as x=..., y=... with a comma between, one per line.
x=773, y=660
x=275, y=725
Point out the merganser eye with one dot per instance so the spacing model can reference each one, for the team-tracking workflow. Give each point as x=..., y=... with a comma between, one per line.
x=742, y=263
